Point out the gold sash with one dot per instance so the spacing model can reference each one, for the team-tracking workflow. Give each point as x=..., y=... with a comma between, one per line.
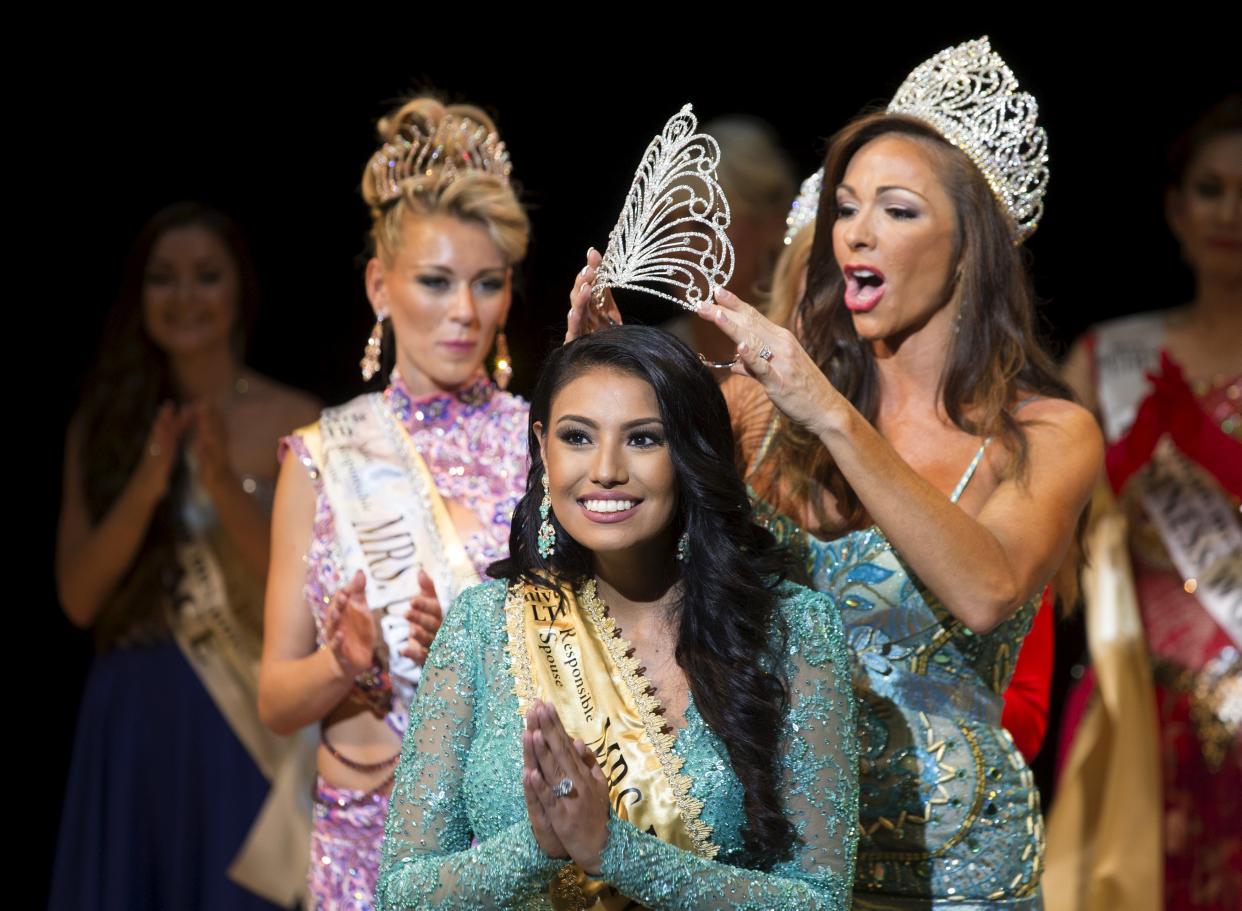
x=564, y=650
x=1105, y=829
x=224, y=653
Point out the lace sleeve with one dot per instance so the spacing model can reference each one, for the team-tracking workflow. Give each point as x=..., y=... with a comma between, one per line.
x=820, y=773
x=427, y=860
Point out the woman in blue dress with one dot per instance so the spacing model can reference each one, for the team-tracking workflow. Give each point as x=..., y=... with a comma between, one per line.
x=915, y=442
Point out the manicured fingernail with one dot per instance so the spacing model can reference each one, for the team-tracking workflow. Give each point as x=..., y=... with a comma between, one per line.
x=742, y=347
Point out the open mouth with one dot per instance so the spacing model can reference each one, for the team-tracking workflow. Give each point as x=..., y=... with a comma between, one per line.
x=864, y=286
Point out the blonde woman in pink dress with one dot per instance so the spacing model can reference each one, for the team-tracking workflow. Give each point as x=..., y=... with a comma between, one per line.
x=394, y=502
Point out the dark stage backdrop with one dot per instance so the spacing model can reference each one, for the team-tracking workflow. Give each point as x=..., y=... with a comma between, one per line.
x=277, y=132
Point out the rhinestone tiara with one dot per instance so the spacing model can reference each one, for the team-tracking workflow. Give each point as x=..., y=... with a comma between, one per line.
x=455, y=146
x=805, y=207
x=672, y=227
x=970, y=97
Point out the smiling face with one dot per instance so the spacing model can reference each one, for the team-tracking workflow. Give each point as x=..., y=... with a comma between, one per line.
x=447, y=291
x=611, y=477
x=1205, y=212
x=894, y=237
x=190, y=291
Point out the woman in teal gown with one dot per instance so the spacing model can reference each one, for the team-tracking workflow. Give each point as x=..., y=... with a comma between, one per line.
x=722, y=708
x=914, y=443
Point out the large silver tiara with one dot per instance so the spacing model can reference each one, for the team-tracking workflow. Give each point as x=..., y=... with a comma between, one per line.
x=456, y=145
x=672, y=228
x=970, y=96
x=805, y=207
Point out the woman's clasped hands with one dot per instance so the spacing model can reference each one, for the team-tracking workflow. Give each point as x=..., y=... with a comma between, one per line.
x=566, y=792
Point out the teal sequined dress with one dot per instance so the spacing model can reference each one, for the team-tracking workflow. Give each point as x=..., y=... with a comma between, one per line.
x=949, y=812
x=460, y=781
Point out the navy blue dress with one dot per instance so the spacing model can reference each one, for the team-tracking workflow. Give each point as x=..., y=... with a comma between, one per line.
x=161, y=793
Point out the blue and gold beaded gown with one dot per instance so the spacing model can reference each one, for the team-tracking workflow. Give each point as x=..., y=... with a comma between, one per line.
x=948, y=810
x=460, y=780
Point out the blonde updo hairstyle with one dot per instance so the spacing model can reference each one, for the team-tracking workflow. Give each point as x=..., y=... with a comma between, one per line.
x=473, y=195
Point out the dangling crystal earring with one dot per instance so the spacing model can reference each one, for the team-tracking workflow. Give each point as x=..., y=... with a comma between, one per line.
x=683, y=548
x=547, y=532
x=370, y=362
x=503, y=370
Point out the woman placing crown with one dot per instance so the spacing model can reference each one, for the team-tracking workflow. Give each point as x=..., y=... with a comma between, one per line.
x=397, y=500
x=1028, y=696
x=917, y=441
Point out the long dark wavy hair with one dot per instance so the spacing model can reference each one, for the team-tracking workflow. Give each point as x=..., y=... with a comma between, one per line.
x=126, y=385
x=728, y=602
x=995, y=358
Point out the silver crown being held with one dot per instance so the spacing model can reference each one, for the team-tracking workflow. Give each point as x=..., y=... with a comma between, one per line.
x=671, y=231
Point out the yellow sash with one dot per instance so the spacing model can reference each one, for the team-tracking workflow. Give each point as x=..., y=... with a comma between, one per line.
x=565, y=650
x=1104, y=833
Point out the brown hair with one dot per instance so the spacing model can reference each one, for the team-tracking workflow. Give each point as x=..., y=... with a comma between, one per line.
x=474, y=195
x=993, y=360
x=129, y=379
x=1221, y=119
x=782, y=298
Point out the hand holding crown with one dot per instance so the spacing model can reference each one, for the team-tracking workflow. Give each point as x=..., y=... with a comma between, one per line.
x=772, y=355
x=590, y=308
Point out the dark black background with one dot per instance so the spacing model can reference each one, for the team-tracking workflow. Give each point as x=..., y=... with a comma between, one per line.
x=275, y=129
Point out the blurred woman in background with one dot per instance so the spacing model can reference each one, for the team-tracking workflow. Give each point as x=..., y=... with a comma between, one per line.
x=162, y=551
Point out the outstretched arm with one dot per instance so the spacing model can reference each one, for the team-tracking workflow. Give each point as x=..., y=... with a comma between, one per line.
x=982, y=567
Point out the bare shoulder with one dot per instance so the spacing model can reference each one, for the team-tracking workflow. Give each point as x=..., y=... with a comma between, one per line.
x=283, y=407
x=295, y=492
x=1062, y=432
x=1079, y=372
x=1062, y=414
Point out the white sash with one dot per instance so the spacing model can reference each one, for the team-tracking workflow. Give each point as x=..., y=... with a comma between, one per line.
x=389, y=519
x=1197, y=524
x=1201, y=531
x=1125, y=350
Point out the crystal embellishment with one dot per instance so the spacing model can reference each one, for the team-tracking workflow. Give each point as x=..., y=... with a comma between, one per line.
x=458, y=144
x=670, y=240
x=805, y=207
x=971, y=97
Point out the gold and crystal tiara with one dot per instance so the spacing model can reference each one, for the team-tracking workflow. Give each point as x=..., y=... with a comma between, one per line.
x=457, y=145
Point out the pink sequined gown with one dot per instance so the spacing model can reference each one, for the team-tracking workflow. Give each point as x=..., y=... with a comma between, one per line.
x=474, y=443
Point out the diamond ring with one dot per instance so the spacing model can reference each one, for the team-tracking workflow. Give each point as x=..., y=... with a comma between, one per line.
x=765, y=352
x=563, y=787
